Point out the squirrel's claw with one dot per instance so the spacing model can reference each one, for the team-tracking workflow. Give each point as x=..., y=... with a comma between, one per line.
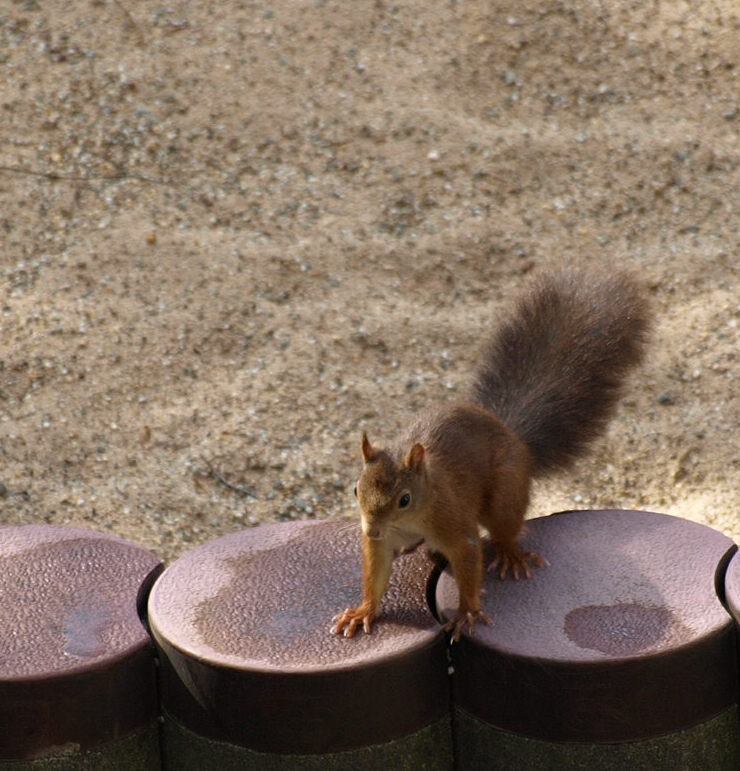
x=512, y=558
x=456, y=624
x=346, y=623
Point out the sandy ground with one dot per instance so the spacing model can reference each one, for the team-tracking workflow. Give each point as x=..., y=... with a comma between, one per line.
x=240, y=233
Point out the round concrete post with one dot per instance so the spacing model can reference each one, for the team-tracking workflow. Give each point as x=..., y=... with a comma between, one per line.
x=252, y=678
x=616, y=655
x=77, y=667
x=731, y=588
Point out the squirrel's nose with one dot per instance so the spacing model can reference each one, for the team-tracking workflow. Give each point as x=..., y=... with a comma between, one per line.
x=372, y=530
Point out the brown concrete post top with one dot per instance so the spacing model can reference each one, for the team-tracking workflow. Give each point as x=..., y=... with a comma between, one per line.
x=622, y=635
x=264, y=598
x=76, y=663
x=732, y=587
x=247, y=656
x=618, y=584
x=68, y=599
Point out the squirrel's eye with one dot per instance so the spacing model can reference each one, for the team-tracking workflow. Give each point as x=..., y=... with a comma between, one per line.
x=355, y=491
x=404, y=500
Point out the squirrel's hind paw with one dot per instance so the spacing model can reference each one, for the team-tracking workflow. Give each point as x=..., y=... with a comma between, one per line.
x=510, y=558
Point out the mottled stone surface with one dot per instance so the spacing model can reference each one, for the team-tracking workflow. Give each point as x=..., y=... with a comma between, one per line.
x=265, y=597
x=731, y=587
x=243, y=627
x=76, y=663
x=621, y=636
x=68, y=599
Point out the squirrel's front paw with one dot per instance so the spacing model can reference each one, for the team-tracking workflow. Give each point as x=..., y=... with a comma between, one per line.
x=346, y=623
x=456, y=624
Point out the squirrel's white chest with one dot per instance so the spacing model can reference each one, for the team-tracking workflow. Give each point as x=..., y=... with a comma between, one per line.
x=412, y=533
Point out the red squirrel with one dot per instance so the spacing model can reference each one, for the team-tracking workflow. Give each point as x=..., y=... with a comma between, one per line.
x=548, y=382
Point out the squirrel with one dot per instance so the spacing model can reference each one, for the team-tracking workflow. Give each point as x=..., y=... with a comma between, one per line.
x=548, y=382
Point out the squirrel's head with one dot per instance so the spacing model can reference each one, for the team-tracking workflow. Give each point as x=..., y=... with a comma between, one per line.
x=388, y=490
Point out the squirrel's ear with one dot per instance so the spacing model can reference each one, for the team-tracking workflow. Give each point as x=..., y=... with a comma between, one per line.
x=368, y=451
x=415, y=457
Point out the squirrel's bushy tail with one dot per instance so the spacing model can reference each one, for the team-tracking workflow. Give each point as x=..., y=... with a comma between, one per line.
x=553, y=370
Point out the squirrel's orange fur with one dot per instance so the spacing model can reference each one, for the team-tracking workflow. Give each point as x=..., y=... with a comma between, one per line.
x=549, y=380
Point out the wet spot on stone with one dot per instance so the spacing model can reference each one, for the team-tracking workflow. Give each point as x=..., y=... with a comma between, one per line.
x=625, y=629
x=83, y=628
